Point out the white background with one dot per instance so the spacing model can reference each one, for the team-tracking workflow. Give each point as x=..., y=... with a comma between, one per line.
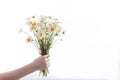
x=91, y=46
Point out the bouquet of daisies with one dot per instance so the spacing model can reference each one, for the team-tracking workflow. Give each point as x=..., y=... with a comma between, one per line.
x=44, y=31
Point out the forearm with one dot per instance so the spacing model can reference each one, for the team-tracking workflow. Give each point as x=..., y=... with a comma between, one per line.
x=18, y=73
x=40, y=63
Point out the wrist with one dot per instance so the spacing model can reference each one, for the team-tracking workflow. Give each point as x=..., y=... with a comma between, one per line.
x=33, y=66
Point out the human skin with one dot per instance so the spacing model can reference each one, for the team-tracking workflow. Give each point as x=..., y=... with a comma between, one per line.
x=40, y=63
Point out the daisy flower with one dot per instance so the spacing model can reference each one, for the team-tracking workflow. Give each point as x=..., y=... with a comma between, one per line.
x=28, y=39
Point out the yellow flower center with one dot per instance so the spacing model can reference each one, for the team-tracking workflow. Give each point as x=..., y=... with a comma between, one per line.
x=52, y=28
x=42, y=18
x=33, y=24
x=40, y=34
x=33, y=16
x=29, y=40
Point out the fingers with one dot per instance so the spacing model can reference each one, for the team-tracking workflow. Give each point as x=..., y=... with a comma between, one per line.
x=47, y=56
x=47, y=60
x=48, y=65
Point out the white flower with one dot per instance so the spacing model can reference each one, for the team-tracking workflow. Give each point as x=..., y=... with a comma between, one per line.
x=28, y=39
x=51, y=27
x=41, y=33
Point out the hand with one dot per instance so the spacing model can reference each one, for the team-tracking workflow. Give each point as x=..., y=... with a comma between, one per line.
x=41, y=62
